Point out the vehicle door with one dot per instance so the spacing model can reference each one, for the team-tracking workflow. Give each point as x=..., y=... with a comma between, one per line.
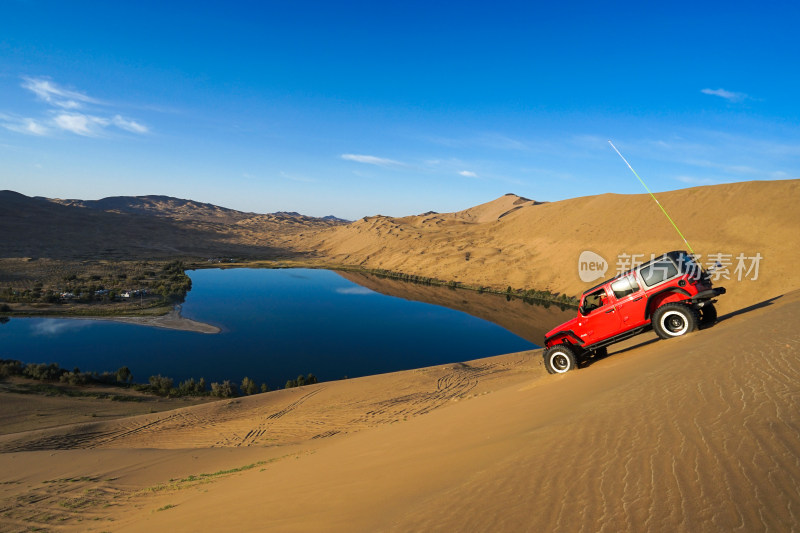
x=631, y=302
x=599, y=317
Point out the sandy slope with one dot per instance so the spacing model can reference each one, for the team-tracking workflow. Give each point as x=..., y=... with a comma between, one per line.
x=698, y=433
x=537, y=246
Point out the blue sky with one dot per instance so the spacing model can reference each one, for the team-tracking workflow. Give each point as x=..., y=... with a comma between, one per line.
x=361, y=108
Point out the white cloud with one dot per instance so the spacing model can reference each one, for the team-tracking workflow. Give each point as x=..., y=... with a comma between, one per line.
x=468, y=174
x=371, y=160
x=27, y=126
x=129, y=125
x=727, y=95
x=68, y=112
x=80, y=124
x=354, y=290
x=55, y=95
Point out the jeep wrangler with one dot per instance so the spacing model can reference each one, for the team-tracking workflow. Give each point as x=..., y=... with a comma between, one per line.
x=670, y=294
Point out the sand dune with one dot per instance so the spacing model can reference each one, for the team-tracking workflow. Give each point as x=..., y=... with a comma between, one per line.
x=537, y=245
x=698, y=433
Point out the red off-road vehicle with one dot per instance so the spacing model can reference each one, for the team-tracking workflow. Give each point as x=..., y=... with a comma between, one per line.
x=670, y=294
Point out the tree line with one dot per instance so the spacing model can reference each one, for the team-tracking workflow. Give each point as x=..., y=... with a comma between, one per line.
x=158, y=384
x=530, y=296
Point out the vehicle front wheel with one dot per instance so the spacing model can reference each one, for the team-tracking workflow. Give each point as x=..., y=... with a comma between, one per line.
x=559, y=359
x=674, y=320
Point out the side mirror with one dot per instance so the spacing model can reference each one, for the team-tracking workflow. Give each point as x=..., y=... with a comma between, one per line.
x=582, y=310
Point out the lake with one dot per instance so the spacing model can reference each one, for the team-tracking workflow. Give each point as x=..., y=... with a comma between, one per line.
x=277, y=324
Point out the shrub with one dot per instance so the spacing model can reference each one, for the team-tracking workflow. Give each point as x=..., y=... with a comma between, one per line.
x=248, y=386
x=106, y=377
x=10, y=367
x=124, y=375
x=161, y=385
x=76, y=378
x=224, y=390
x=43, y=372
x=190, y=387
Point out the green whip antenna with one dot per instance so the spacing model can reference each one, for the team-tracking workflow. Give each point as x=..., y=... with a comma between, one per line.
x=654, y=198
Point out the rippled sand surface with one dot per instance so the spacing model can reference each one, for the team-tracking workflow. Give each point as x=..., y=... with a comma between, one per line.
x=700, y=433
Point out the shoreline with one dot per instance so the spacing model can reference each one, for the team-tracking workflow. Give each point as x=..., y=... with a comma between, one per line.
x=170, y=320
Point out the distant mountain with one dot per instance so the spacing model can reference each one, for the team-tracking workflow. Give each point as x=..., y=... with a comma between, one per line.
x=181, y=209
x=164, y=206
x=142, y=226
x=332, y=218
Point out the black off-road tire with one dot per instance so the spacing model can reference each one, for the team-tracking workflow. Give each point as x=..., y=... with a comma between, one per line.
x=559, y=359
x=708, y=315
x=674, y=319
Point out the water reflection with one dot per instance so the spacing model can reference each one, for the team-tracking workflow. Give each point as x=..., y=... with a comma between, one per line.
x=54, y=327
x=278, y=324
x=527, y=319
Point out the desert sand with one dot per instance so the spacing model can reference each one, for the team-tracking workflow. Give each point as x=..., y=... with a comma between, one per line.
x=531, y=245
x=172, y=320
x=698, y=433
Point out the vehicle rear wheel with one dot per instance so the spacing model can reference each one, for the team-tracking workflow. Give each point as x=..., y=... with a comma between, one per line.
x=708, y=314
x=559, y=359
x=674, y=320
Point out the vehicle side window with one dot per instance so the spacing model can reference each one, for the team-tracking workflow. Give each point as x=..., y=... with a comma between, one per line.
x=594, y=300
x=658, y=271
x=624, y=287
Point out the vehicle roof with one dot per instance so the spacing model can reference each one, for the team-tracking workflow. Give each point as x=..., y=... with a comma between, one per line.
x=671, y=255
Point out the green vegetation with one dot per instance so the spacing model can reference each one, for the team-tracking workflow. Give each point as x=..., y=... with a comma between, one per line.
x=173, y=283
x=158, y=384
x=119, y=286
x=226, y=389
x=168, y=506
x=195, y=479
x=530, y=296
x=301, y=381
x=52, y=372
x=248, y=386
x=220, y=472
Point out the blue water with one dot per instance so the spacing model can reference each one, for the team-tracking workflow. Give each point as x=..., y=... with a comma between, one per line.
x=276, y=325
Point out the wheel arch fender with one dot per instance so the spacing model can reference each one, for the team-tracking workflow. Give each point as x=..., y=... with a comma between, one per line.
x=657, y=299
x=566, y=336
